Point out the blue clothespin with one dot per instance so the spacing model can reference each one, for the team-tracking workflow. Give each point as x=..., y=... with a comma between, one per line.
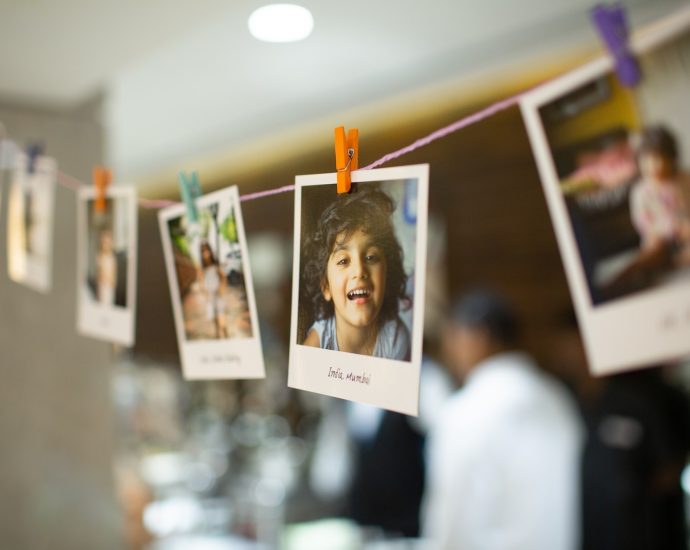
x=612, y=24
x=33, y=151
x=190, y=191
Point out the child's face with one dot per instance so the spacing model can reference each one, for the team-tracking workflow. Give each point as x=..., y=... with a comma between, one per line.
x=356, y=279
x=655, y=166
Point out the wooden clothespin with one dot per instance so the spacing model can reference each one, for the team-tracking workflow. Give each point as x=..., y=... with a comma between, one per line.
x=101, y=180
x=190, y=190
x=346, y=156
x=33, y=151
x=612, y=24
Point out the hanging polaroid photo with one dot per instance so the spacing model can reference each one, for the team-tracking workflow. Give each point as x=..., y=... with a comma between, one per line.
x=30, y=207
x=358, y=286
x=615, y=167
x=106, y=264
x=211, y=289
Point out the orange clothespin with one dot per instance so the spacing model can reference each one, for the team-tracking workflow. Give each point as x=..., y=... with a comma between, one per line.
x=346, y=156
x=101, y=179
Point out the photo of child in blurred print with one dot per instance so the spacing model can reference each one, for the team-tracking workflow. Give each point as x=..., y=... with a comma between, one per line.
x=354, y=278
x=658, y=205
x=213, y=280
x=107, y=268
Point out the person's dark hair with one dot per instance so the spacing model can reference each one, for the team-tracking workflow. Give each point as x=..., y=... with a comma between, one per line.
x=212, y=261
x=368, y=209
x=487, y=310
x=659, y=140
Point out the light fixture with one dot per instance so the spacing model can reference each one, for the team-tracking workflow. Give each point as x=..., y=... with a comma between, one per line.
x=281, y=23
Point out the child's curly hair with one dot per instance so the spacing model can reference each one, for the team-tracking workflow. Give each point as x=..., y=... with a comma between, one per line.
x=369, y=210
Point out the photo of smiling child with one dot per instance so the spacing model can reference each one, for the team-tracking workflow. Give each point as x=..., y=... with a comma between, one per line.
x=358, y=286
x=355, y=278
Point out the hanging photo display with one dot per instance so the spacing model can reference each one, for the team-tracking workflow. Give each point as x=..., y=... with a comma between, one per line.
x=358, y=286
x=106, y=264
x=211, y=288
x=615, y=167
x=30, y=210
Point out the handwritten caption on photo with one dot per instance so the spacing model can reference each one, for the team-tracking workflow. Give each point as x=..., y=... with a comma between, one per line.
x=339, y=374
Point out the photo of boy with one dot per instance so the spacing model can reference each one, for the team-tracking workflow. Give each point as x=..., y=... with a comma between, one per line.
x=354, y=278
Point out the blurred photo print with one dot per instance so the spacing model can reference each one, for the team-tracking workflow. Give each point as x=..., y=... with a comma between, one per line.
x=30, y=210
x=107, y=264
x=358, y=286
x=211, y=288
x=615, y=167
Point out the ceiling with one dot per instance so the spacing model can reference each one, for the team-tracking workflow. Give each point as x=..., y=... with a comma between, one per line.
x=185, y=77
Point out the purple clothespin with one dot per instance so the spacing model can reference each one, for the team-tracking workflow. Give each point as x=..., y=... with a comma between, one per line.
x=612, y=24
x=33, y=151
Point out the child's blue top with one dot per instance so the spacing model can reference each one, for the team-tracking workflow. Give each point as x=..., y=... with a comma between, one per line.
x=392, y=342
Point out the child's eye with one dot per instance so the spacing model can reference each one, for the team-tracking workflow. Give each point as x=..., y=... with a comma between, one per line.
x=341, y=261
x=372, y=258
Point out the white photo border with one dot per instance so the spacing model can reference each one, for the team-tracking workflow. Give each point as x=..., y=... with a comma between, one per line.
x=227, y=359
x=631, y=332
x=392, y=384
x=110, y=323
x=37, y=275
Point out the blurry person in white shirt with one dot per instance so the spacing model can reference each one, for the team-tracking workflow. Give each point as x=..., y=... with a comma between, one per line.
x=503, y=457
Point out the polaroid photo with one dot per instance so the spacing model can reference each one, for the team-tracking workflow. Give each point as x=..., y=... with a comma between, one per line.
x=106, y=264
x=211, y=289
x=615, y=167
x=30, y=211
x=358, y=286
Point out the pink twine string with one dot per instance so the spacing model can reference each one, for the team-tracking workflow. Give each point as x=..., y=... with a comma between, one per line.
x=485, y=113
x=267, y=193
x=68, y=181
x=72, y=183
x=154, y=204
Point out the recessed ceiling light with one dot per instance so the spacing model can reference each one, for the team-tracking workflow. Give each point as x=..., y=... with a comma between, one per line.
x=281, y=23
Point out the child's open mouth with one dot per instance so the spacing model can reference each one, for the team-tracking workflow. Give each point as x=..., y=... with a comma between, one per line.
x=359, y=295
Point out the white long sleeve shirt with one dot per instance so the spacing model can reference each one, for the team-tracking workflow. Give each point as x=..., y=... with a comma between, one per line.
x=503, y=463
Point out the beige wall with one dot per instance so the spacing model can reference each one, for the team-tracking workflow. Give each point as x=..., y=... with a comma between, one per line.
x=56, y=425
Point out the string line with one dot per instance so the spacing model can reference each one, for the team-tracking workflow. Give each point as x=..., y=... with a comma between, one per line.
x=267, y=193
x=451, y=128
x=68, y=181
x=73, y=183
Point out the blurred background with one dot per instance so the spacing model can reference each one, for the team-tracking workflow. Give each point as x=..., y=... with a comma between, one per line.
x=106, y=447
